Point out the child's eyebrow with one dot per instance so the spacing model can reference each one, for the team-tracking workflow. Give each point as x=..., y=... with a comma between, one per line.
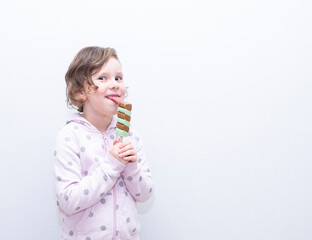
x=102, y=73
x=108, y=73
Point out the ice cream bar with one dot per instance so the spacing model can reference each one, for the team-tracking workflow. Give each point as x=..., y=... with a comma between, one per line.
x=124, y=116
x=122, y=127
x=123, y=119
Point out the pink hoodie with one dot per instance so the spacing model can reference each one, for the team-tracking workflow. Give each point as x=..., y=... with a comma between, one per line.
x=97, y=194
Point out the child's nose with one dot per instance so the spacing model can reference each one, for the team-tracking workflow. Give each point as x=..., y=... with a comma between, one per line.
x=113, y=84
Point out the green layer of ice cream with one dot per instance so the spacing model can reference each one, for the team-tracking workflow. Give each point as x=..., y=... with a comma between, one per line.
x=123, y=110
x=121, y=133
x=123, y=121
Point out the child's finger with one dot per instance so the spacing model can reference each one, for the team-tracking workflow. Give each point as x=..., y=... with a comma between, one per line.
x=127, y=153
x=125, y=148
x=124, y=144
x=130, y=158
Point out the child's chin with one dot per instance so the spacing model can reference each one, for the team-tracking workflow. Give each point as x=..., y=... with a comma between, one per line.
x=114, y=112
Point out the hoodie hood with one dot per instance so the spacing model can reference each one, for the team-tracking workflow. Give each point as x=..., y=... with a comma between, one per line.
x=78, y=118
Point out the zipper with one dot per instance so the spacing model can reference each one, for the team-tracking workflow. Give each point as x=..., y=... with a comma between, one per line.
x=115, y=213
x=114, y=196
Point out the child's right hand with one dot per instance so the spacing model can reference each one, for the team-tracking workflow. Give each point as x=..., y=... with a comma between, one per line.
x=114, y=151
x=124, y=152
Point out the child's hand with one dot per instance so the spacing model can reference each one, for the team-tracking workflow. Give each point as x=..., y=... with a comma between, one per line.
x=124, y=152
x=127, y=152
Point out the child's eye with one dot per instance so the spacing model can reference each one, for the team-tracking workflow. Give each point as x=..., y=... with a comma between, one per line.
x=102, y=78
x=118, y=78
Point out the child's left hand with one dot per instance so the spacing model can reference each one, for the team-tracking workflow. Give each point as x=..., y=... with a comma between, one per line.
x=127, y=152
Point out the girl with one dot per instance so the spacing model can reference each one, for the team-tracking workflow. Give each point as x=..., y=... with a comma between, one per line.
x=98, y=179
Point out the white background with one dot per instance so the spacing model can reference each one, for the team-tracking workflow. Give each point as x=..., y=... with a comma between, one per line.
x=222, y=98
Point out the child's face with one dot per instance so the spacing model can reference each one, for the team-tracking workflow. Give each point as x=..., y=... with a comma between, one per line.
x=111, y=89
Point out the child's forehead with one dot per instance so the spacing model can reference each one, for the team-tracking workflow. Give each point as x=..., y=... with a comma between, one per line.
x=108, y=71
x=112, y=65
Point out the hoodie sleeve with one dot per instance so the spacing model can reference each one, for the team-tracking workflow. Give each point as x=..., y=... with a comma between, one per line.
x=137, y=176
x=75, y=191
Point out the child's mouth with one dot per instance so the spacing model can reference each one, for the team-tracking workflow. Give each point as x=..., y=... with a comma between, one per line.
x=115, y=98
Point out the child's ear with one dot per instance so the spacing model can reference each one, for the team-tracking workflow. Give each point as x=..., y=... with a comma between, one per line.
x=81, y=95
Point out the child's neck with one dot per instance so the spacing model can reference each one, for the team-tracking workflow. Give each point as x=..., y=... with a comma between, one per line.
x=100, y=122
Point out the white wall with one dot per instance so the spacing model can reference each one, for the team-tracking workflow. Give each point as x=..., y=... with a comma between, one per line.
x=221, y=93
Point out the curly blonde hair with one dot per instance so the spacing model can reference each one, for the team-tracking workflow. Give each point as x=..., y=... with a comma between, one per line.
x=86, y=63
